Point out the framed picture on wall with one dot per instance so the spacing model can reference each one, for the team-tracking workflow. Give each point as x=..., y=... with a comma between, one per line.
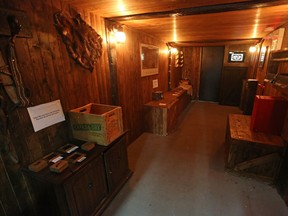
x=262, y=56
x=149, y=59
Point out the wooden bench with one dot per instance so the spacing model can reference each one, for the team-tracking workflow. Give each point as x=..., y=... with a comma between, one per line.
x=161, y=115
x=252, y=153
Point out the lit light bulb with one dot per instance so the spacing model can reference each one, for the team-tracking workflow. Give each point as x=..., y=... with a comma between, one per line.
x=252, y=49
x=174, y=50
x=120, y=37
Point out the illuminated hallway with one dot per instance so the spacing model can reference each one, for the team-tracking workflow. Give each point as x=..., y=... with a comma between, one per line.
x=183, y=173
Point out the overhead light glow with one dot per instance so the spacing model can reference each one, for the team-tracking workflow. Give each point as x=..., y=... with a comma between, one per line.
x=174, y=29
x=121, y=6
x=256, y=25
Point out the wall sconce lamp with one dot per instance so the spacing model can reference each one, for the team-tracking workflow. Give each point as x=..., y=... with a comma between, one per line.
x=116, y=33
x=252, y=49
x=120, y=36
x=174, y=50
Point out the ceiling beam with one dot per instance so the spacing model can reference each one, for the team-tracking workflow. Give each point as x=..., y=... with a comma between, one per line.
x=214, y=42
x=253, y=4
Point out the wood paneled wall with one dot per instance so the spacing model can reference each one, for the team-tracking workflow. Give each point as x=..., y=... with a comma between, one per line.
x=250, y=58
x=134, y=90
x=193, y=57
x=192, y=67
x=49, y=74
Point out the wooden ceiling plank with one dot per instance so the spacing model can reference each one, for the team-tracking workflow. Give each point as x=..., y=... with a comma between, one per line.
x=214, y=42
x=218, y=8
x=244, y=24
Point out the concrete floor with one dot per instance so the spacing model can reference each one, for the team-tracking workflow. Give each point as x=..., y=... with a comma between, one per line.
x=183, y=173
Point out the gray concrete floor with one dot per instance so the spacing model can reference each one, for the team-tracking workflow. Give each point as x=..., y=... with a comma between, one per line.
x=183, y=173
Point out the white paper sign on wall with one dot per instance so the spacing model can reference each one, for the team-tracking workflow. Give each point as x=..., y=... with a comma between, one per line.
x=45, y=115
x=155, y=83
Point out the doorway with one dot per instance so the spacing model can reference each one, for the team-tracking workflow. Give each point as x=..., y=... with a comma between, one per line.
x=211, y=67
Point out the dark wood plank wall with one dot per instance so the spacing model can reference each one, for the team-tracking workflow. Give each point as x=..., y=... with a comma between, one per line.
x=192, y=67
x=49, y=74
x=134, y=90
x=192, y=62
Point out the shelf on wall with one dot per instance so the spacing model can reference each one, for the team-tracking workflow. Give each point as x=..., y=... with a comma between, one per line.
x=277, y=71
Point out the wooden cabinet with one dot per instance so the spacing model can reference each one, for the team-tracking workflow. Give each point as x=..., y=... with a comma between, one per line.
x=82, y=189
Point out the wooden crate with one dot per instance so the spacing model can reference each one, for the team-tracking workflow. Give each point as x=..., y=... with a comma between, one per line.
x=253, y=153
x=96, y=123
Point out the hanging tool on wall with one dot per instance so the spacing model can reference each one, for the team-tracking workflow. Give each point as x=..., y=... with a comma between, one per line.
x=2, y=122
x=6, y=144
x=6, y=79
x=11, y=80
x=12, y=60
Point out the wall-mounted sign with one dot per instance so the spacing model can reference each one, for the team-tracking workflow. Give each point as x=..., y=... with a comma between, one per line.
x=277, y=39
x=45, y=115
x=262, y=56
x=236, y=57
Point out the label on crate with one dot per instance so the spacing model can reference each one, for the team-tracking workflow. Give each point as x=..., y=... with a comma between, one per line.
x=87, y=127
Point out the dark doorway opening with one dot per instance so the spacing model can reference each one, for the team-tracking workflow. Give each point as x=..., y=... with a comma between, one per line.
x=210, y=77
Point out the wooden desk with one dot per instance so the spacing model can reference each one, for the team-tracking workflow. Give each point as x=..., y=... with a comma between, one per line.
x=253, y=153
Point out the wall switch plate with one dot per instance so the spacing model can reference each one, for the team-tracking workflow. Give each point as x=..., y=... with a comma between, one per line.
x=155, y=83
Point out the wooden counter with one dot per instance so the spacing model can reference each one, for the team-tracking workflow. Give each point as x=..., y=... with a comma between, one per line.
x=161, y=116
